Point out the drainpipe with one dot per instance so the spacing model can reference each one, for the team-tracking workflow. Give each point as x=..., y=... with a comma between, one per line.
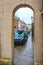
x=42, y=31
x=0, y=45
x=42, y=38
x=42, y=35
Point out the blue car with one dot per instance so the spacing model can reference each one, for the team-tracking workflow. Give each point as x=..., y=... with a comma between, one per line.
x=28, y=31
x=19, y=37
x=25, y=36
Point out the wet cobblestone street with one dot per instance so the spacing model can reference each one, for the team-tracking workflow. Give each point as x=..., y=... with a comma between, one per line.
x=23, y=55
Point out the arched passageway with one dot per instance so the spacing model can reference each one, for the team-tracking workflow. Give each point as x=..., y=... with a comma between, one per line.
x=27, y=45
x=7, y=12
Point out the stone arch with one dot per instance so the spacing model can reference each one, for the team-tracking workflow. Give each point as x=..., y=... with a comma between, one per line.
x=6, y=31
x=13, y=12
x=21, y=5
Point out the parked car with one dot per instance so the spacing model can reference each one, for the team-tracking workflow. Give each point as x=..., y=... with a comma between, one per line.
x=19, y=37
x=25, y=36
x=28, y=31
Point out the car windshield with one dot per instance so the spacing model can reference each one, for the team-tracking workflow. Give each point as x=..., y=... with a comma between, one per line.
x=20, y=31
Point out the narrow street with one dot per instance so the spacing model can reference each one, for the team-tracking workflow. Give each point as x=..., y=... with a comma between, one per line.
x=23, y=55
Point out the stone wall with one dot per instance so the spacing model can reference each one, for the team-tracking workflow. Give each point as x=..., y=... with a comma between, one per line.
x=6, y=9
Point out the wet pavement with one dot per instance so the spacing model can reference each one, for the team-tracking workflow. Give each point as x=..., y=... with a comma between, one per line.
x=23, y=55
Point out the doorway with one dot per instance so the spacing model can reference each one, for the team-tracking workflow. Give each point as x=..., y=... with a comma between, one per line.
x=23, y=23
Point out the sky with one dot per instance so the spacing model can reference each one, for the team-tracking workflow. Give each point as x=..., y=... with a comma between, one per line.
x=25, y=14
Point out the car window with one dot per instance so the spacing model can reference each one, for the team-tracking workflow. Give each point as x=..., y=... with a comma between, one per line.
x=20, y=32
x=16, y=34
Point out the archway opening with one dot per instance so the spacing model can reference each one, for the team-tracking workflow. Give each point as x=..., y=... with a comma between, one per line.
x=23, y=29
